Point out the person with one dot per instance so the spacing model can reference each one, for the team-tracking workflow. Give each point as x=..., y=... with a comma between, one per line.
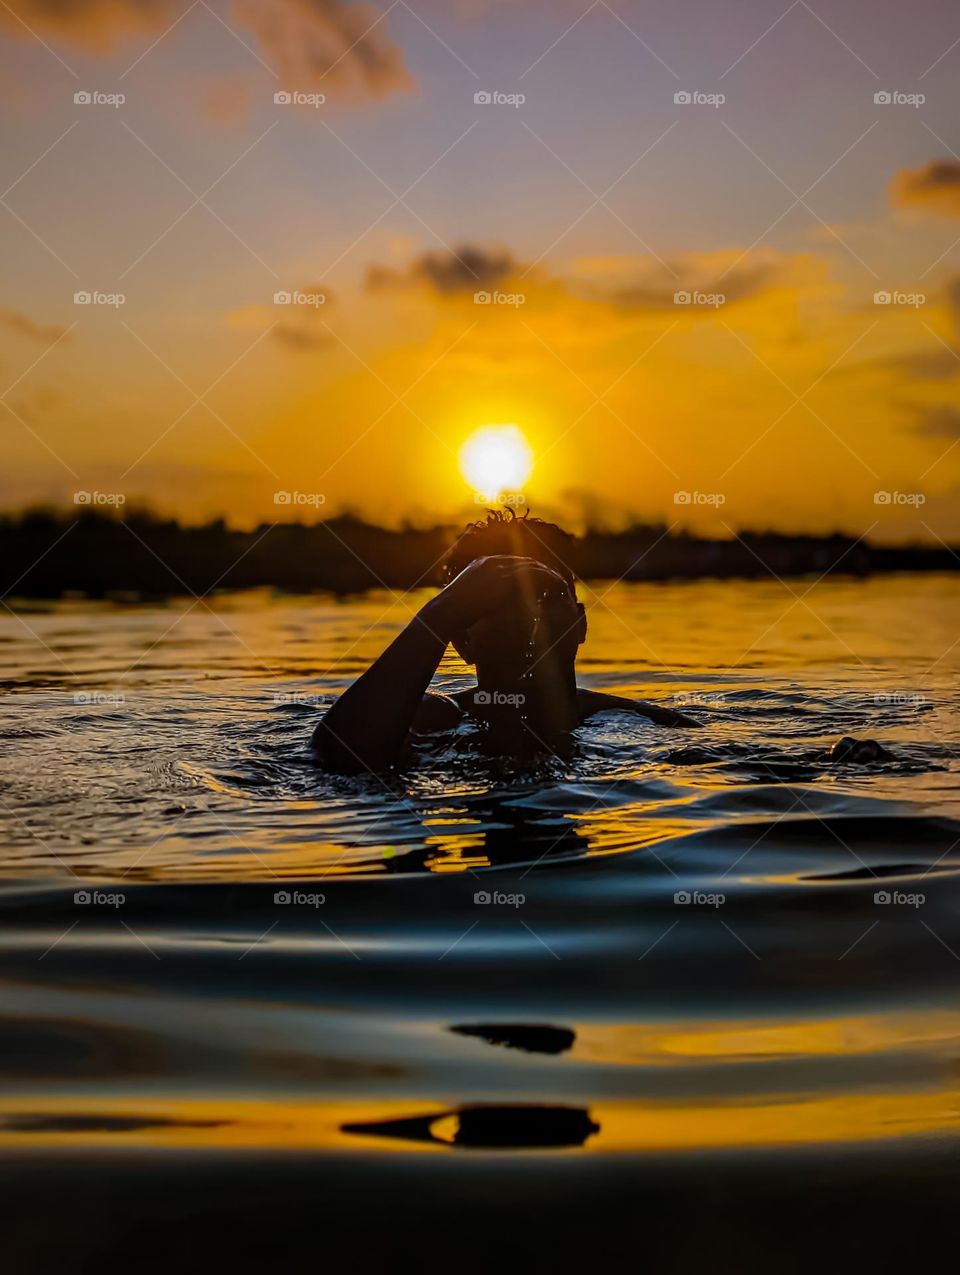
x=509, y=607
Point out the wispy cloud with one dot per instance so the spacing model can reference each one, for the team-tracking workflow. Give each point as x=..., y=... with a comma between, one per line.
x=934, y=187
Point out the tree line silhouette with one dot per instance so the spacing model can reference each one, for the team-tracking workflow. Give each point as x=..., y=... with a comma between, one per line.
x=47, y=554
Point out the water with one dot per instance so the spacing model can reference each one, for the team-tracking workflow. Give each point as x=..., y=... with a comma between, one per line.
x=614, y=970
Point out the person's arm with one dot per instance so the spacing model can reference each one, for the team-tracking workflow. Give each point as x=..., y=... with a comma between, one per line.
x=600, y=702
x=366, y=728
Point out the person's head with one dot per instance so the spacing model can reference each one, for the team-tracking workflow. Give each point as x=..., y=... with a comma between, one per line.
x=542, y=628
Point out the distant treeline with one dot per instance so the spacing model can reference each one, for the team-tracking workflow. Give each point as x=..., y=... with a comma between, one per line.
x=45, y=554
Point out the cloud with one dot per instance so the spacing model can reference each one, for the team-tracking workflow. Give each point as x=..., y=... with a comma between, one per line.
x=327, y=45
x=934, y=187
x=300, y=325
x=339, y=48
x=940, y=421
x=927, y=365
x=96, y=26
x=23, y=325
x=646, y=284
x=463, y=269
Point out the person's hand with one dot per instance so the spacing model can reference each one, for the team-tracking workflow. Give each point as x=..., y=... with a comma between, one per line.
x=486, y=585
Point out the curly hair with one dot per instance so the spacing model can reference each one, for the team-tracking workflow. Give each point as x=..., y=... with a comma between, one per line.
x=502, y=532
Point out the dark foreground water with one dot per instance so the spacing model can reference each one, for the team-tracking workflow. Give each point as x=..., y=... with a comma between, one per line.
x=685, y=996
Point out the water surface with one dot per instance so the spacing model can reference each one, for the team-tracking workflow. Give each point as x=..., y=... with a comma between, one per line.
x=667, y=944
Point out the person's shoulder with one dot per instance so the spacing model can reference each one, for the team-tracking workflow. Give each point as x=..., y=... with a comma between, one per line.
x=436, y=712
x=593, y=702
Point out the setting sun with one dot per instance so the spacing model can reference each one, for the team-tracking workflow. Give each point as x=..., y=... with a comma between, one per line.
x=495, y=459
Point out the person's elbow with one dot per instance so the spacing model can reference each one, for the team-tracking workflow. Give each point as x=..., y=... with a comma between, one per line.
x=336, y=751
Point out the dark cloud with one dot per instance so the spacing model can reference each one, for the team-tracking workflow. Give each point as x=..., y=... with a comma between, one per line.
x=463, y=269
x=94, y=25
x=23, y=325
x=941, y=421
x=327, y=45
x=653, y=287
x=939, y=364
x=331, y=46
x=303, y=326
x=302, y=334
x=935, y=186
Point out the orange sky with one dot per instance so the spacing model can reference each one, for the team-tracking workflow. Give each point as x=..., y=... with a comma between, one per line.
x=783, y=394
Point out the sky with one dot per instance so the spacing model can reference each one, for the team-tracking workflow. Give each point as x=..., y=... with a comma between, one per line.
x=719, y=242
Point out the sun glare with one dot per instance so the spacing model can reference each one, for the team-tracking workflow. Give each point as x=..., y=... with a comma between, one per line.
x=496, y=459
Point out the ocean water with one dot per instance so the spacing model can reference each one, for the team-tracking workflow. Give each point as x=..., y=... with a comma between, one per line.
x=670, y=963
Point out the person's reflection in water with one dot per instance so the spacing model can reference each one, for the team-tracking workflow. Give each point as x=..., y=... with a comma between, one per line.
x=508, y=835
x=514, y=1127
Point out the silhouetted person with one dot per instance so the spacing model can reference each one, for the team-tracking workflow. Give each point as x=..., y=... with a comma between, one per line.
x=509, y=608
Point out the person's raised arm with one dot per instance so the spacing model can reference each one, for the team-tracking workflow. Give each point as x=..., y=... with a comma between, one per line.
x=367, y=727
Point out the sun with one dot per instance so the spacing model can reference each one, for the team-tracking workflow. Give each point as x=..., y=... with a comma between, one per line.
x=495, y=459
